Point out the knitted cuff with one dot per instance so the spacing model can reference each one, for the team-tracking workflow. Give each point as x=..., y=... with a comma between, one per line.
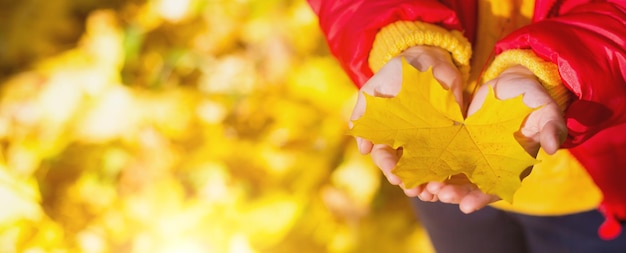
x=546, y=71
x=396, y=37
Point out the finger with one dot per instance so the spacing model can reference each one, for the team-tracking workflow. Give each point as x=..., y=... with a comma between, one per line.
x=553, y=129
x=434, y=198
x=526, y=84
x=453, y=194
x=479, y=98
x=423, y=57
x=552, y=135
x=434, y=187
x=534, y=95
x=424, y=196
x=364, y=146
x=387, y=81
x=546, y=127
x=450, y=78
x=431, y=191
x=476, y=200
x=444, y=71
x=386, y=158
x=359, y=108
x=419, y=192
x=415, y=192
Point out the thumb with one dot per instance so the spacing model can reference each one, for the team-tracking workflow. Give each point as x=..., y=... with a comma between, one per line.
x=385, y=83
x=450, y=78
x=552, y=135
x=364, y=146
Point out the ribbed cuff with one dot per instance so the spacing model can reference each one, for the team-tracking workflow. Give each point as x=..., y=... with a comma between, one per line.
x=396, y=37
x=546, y=71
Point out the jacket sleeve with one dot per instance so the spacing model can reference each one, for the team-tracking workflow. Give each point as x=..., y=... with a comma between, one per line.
x=587, y=43
x=350, y=26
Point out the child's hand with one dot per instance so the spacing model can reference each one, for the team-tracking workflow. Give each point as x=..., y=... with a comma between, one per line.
x=544, y=128
x=387, y=83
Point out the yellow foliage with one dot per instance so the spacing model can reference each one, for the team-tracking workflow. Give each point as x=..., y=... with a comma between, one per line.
x=184, y=126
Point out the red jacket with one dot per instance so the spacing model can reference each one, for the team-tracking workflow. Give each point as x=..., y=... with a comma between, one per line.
x=586, y=39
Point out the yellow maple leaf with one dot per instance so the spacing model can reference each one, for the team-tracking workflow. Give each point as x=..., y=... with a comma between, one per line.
x=438, y=142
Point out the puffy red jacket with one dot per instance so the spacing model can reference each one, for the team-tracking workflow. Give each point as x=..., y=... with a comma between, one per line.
x=586, y=39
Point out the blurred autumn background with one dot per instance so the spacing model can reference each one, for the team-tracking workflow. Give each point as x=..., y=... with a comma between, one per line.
x=183, y=126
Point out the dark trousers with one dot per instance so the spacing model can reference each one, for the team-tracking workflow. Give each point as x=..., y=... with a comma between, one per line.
x=491, y=230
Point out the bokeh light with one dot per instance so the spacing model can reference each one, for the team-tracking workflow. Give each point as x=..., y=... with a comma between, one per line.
x=183, y=126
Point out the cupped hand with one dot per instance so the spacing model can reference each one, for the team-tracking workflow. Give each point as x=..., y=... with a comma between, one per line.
x=387, y=83
x=543, y=128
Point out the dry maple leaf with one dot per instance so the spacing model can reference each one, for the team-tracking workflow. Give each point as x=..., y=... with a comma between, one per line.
x=425, y=120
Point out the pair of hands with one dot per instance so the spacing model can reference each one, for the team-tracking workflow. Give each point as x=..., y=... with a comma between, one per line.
x=543, y=128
